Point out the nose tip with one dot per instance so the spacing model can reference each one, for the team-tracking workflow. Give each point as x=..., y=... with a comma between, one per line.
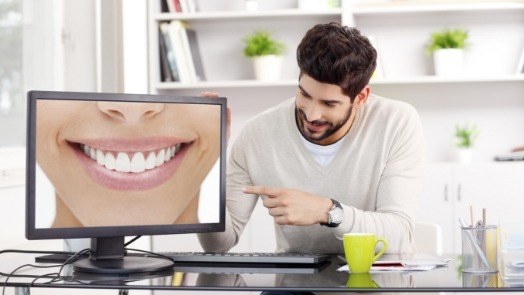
x=312, y=115
x=132, y=112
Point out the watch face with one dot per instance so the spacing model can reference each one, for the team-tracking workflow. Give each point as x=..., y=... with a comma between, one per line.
x=337, y=214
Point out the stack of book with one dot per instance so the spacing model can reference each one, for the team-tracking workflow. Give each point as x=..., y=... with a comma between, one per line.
x=175, y=6
x=180, y=58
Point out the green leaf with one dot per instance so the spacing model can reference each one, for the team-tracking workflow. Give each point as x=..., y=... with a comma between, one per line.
x=261, y=43
x=465, y=135
x=448, y=38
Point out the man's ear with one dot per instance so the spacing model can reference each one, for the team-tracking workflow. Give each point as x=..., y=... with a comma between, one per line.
x=362, y=97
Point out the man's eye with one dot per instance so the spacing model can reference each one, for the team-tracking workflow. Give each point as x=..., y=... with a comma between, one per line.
x=329, y=104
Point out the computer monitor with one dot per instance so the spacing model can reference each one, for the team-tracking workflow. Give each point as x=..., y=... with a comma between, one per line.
x=105, y=166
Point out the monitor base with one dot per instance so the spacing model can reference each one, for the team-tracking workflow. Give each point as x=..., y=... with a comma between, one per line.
x=123, y=266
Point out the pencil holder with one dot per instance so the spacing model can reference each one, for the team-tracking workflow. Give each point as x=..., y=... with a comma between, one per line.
x=479, y=249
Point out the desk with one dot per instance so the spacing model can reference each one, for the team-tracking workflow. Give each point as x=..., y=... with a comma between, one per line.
x=324, y=278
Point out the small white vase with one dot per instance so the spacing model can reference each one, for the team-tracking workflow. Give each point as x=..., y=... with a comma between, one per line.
x=267, y=67
x=465, y=155
x=313, y=5
x=251, y=5
x=448, y=62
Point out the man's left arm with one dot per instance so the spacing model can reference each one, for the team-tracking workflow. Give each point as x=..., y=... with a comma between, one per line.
x=399, y=191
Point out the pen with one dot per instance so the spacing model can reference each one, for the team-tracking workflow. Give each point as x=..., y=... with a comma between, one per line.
x=474, y=243
x=471, y=216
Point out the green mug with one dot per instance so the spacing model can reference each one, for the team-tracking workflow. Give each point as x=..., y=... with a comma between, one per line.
x=360, y=251
x=361, y=280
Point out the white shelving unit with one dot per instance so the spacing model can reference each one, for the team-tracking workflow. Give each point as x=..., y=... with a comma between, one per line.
x=223, y=31
x=360, y=15
x=232, y=15
x=490, y=94
x=407, y=7
x=374, y=82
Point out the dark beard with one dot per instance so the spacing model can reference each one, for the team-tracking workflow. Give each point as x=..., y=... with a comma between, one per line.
x=300, y=117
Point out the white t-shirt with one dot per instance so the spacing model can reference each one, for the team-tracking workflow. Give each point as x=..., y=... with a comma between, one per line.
x=323, y=154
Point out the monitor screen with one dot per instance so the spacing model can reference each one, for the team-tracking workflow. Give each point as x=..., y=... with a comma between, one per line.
x=107, y=165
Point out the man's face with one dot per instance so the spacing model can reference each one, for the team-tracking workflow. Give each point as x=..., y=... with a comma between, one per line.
x=322, y=111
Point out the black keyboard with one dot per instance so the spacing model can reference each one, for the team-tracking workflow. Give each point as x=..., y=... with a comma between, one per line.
x=274, y=258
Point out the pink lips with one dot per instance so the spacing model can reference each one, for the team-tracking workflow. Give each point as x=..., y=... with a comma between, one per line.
x=123, y=181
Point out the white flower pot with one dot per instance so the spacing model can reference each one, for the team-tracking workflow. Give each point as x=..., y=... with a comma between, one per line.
x=267, y=67
x=465, y=155
x=251, y=5
x=449, y=62
x=313, y=5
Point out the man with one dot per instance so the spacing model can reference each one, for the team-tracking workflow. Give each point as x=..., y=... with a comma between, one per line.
x=332, y=160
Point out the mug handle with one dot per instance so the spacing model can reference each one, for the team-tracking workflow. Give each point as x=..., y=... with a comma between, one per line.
x=377, y=256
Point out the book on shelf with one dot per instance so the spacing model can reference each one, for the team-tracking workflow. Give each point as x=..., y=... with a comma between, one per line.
x=165, y=71
x=173, y=6
x=167, y=58
x=520, y=63
x=194, y=50
x=188, y=6
x=181, y=53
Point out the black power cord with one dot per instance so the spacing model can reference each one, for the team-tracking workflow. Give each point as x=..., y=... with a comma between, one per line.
x=56, y=276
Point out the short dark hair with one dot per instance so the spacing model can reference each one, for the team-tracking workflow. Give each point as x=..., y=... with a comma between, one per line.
x=336, y=54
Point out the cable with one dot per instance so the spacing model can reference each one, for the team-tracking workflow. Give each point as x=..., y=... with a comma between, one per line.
x=68, y=261
x=151, y=253
x=20, y=267
x=54, y=277
x=132, y=240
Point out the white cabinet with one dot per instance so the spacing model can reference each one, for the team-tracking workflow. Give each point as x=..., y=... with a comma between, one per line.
x=452, y=188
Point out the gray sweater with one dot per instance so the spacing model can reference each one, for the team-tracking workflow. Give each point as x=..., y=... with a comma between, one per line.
x=377, y=176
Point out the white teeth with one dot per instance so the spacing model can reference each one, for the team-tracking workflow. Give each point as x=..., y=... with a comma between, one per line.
x=136, y=163
x=92, y=154
x=160, y=158
x=100, y=158
x=150, y=161
x=167, y=156
x=110, y=161
x=122, y=163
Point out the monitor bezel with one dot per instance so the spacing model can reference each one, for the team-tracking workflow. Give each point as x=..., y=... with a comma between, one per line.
x=33, y=233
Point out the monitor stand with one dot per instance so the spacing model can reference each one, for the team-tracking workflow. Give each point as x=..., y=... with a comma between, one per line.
x=108, y=257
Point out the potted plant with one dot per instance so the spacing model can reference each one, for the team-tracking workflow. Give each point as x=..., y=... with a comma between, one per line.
x=266, y=53
x=447, y=47
x=465, y=136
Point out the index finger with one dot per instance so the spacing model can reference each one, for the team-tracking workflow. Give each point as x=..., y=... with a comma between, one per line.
x=262, y=190
x=209, y=94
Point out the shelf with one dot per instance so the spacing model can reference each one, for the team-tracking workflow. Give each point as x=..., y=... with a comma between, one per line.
x=233, y=15
x=444, y=80
x=375, y=82
x=227, y=84
x=403, y=8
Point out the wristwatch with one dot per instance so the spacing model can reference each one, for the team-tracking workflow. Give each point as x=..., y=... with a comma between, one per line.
x=335, y=215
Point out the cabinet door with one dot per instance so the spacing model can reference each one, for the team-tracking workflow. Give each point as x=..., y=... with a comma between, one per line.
x=498, y=187
x=436, y=204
